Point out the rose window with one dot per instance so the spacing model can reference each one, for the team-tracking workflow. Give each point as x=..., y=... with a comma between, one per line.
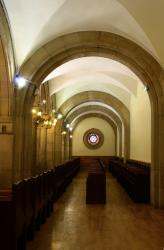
x=93, y=138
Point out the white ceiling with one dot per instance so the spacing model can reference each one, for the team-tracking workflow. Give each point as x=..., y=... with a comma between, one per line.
x=92, y=73
x=68, y=92
x=34, y=23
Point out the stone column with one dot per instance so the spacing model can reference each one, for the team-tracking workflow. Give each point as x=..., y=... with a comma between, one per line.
x=6, y=124
x=50, y=148
x=37, y=155
x=67, y=145
x=157, y=168
x=58, y=143
x=29, y=142
x=43, y=150
x=63, y=149
x=70, y=147
x=6, y=153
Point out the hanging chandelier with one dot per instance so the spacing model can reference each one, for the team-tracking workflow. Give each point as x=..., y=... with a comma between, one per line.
x=45, y=119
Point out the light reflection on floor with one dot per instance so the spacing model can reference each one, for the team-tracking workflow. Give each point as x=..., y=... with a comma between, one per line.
x=120, y=224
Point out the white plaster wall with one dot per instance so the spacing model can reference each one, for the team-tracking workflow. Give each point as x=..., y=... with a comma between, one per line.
x=140, y=119
x=78, y=146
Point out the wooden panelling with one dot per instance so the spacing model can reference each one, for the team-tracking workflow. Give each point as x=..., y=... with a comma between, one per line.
x=24, y=208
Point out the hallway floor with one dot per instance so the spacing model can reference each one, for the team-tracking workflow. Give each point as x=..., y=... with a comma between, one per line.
x=120, y=224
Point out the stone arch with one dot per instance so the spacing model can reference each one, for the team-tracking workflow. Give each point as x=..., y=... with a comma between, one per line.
x=7, y=42
x=85, y=43
x=102, y=112
x=102, y=97
x=71, y=114
x=94, y=114
x=7, y=69
x=99, y=115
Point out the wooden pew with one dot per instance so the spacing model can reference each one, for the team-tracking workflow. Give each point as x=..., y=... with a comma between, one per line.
x=25, y=206
x=134, y=176
x=19, y=214
x=96, y=184
x=29, y=207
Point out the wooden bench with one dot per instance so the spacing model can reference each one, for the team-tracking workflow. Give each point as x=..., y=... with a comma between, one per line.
x=134, y=176
x=25, y=206
x=96, y=184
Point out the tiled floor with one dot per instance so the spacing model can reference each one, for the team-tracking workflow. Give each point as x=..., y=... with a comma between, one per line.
x=118, y=225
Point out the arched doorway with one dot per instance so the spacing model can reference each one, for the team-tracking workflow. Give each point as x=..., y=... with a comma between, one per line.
x=109, y=45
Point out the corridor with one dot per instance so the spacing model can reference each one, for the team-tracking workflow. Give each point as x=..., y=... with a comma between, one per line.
x=81, y=80
x=118, y=225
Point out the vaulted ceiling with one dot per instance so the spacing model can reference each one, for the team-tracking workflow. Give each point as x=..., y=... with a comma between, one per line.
x=34, y=23
x=92, y=73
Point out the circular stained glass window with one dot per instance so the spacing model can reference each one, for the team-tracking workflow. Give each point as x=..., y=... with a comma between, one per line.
x=93, y=138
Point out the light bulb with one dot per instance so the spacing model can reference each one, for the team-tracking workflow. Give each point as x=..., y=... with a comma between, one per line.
x=33, y=111
x=54, y=122
x=59, y=116
x=39, y=113
x=46, y=122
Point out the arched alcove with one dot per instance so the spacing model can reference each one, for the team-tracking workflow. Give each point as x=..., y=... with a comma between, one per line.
x=98, y=111
x=102, y=128
x=105, y=98
x=83, y=116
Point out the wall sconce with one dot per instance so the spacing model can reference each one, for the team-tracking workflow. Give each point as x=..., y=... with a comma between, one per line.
x=20, y=82
x=146, y=87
